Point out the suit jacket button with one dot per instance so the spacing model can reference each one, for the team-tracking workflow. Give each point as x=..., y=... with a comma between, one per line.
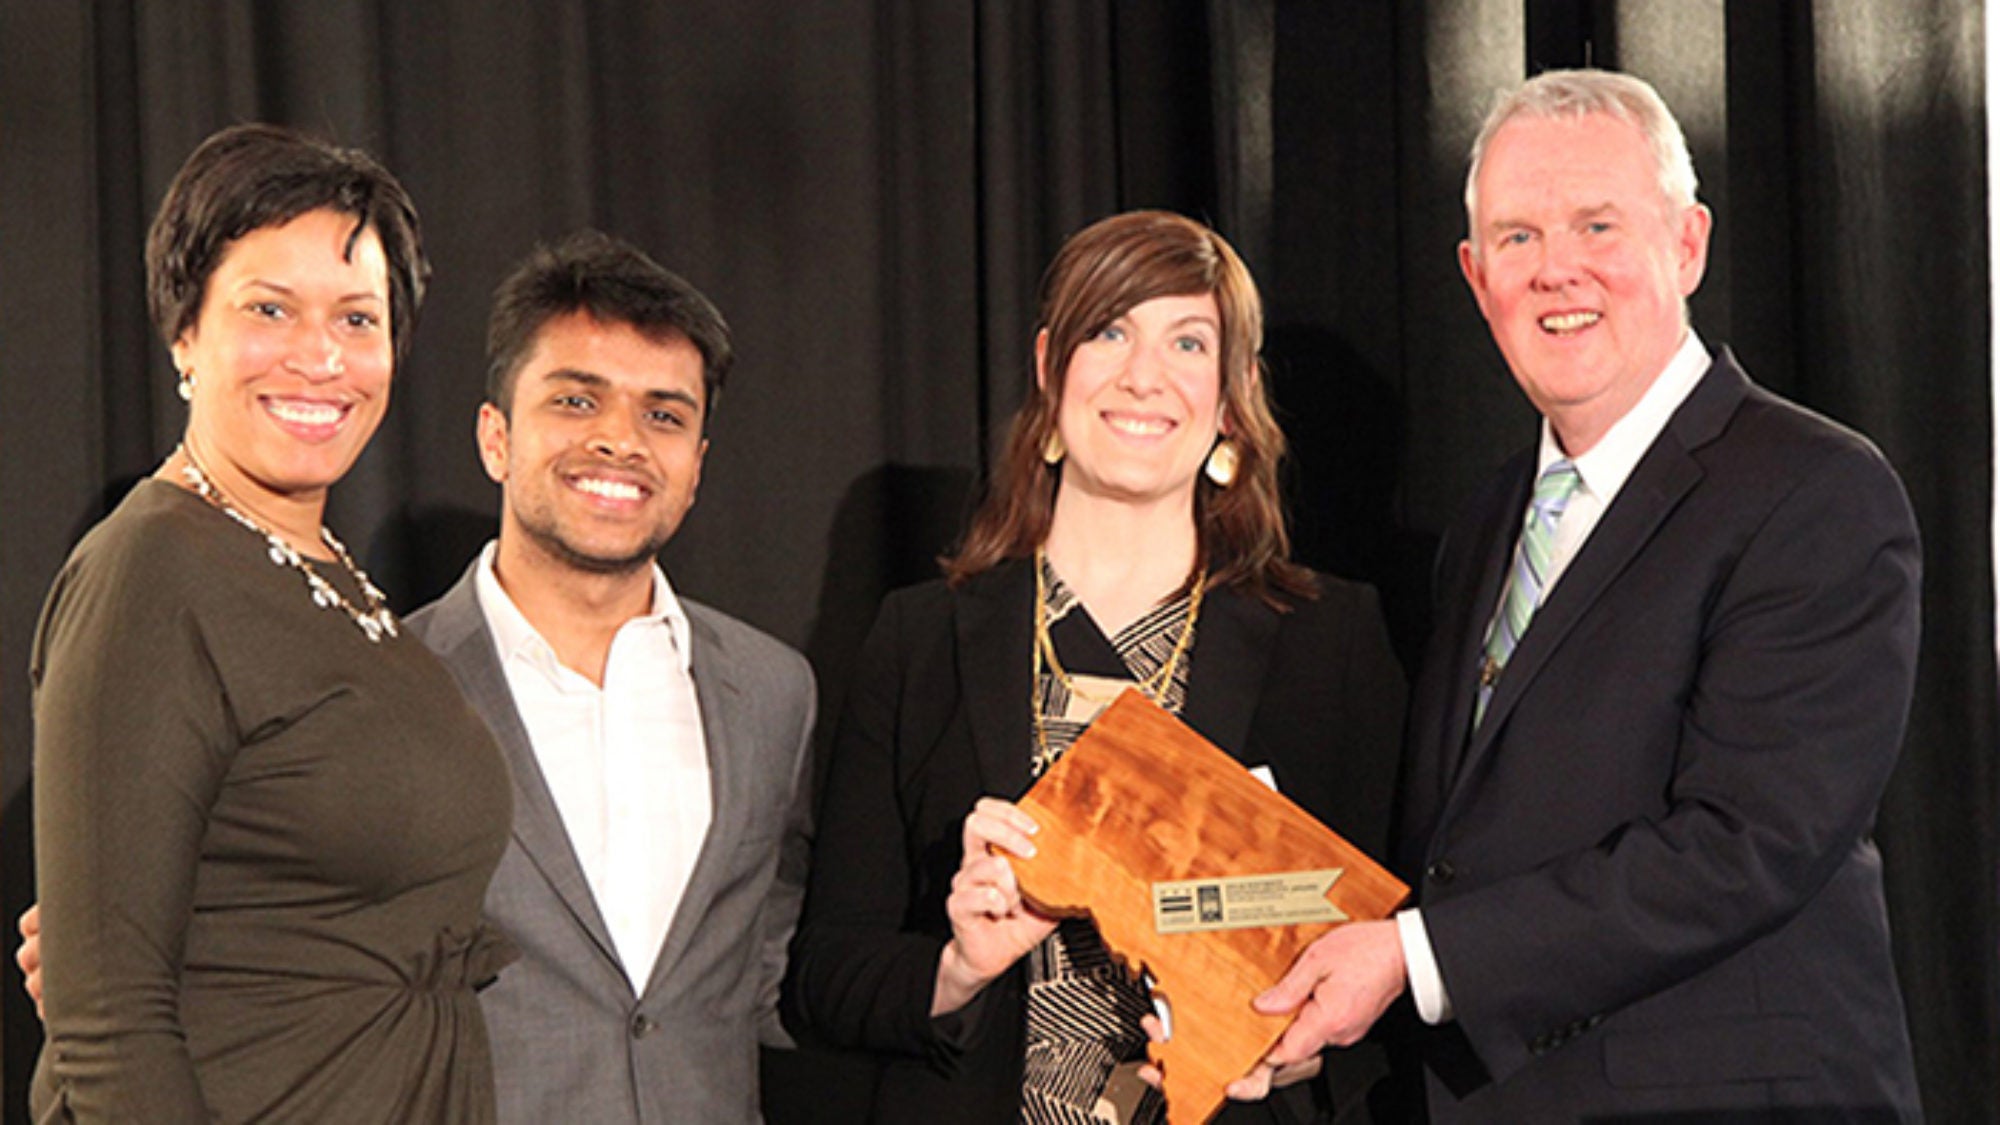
x=1441, y=872
x=642, y=1026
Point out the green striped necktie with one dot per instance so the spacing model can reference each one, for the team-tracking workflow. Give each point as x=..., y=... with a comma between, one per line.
x=1529, y=575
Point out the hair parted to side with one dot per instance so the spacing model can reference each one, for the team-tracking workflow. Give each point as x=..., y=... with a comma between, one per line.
x=1558, y=94
x=611, y=281
x=1100, y=273
x=248, y=177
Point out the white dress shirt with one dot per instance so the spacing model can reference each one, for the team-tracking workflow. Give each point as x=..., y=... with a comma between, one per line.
x=1602, y=471
x=626, y=763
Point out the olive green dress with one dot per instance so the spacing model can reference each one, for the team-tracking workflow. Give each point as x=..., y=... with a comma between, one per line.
x=262, y=842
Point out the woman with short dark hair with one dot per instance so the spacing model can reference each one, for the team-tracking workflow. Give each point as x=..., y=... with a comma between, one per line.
x=265, y=817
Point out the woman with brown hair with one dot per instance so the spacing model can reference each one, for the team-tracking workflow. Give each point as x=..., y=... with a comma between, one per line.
x=1132, y=536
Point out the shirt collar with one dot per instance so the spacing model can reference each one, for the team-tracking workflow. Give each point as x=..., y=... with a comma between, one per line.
x=1603, y=470
x=513, y=635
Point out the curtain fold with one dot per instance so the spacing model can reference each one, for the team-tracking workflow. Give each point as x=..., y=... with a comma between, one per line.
x=1894, y=339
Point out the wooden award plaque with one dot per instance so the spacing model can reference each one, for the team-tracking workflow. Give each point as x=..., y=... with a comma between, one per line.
x=1146, y=826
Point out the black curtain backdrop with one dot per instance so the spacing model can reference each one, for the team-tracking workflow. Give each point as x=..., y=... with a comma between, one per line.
x=870, y=190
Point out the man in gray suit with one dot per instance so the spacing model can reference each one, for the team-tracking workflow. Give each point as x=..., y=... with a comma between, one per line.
x=659, y=748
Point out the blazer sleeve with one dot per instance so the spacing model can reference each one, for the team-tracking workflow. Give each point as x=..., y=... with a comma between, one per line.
x=1368, y=728
x=132, y=741
x=1789, y=726
x=1331, y=713
x=779, y=915
x=1335, y=700
x=859, y=977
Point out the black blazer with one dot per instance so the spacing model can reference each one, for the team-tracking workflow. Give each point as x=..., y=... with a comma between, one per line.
x=1648, y=877
x=939, y=716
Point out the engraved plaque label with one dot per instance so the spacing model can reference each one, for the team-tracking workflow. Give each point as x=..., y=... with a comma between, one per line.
x=1191, y=905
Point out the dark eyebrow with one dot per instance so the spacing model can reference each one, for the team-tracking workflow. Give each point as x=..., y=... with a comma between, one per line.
x=590, y=380
x=660, y=396
x=288, y=291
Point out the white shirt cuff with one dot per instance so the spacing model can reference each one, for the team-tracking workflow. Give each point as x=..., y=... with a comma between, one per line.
x=1426, y=983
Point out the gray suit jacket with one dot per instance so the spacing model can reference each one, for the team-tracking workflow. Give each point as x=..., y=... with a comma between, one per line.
x=570, y=1040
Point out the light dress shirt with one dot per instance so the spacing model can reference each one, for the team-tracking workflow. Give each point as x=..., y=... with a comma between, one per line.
x=626, y=763
x=1602, y=471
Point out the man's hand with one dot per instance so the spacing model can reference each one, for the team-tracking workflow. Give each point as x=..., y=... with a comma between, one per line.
x=1336, y=991
x=1253, y=1087
x=29, y=956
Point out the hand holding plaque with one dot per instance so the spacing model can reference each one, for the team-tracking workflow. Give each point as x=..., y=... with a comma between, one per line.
x=1198, y=873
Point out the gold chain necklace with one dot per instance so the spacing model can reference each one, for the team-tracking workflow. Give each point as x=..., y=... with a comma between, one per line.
x=374, y=621
x=1153, y=687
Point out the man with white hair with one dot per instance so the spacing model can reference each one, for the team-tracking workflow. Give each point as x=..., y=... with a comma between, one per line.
x=1673, y=659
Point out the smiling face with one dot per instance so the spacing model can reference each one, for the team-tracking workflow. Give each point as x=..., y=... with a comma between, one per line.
x=1581, y=267
x=1141, y=401
x=601, y=452
x=291, y=360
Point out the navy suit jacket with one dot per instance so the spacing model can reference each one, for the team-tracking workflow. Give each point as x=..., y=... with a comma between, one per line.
x=1648, y=876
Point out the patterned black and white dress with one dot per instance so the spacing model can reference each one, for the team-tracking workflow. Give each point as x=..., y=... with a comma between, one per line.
x=1083, y=1006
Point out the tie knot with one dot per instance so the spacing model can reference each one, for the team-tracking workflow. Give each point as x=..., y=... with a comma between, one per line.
x=1556, y=485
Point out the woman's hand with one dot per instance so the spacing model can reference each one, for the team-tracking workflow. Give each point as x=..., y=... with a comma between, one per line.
x=29, y=956
x=991, y=928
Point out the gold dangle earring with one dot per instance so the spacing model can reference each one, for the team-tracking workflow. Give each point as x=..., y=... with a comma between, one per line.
x=1053, y=450
x=1222, y=462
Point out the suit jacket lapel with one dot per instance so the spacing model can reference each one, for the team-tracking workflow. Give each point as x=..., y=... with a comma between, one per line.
x=1468, y=616
x=1662, y=478
x=1232, y=648
x=721, y=703
x=995, y=623
x=462, y=641
x=994, y=616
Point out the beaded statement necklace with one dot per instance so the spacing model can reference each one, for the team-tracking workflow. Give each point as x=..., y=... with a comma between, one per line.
x=374, y=622
x=1153, y=687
